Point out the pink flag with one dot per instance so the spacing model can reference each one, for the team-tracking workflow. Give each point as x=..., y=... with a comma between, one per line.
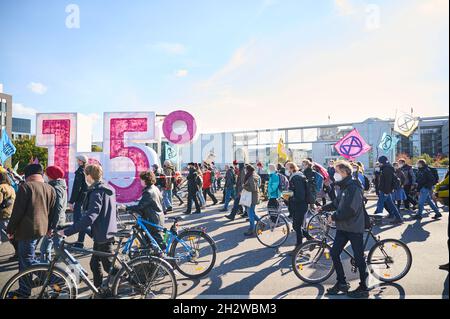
x=352, y=145
x=36, y=161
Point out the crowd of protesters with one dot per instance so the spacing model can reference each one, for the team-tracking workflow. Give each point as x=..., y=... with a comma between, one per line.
x=33, y=206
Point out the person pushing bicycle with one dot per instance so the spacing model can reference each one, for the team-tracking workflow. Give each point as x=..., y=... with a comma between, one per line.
x=350, y=222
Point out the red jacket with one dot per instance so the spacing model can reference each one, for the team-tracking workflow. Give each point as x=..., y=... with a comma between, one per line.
x=206, y=180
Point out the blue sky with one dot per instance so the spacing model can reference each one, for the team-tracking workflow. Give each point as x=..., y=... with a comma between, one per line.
x=234, y=64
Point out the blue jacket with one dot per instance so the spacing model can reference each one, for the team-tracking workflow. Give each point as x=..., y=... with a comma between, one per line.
x=100, y=213
x=273, y=188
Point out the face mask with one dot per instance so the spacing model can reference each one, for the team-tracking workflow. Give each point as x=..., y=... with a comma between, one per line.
x=338, y=177
x=400, y=166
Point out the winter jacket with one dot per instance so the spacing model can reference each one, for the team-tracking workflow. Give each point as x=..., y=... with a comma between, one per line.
x=7, y=196
x=169, y=174
x=401, y=176
x=59, y=210
x=297, y=203
x=410, y=176
x=230, y=178
x=349, y=207
x=79, y=187
x=206, y=179
x=99, y=213
x=273, y=188
x=424, y=178
x=150, y=205
x=192, y=181
x=386, y=181
x=33, y=208
x=251, y=185
x=240, y=181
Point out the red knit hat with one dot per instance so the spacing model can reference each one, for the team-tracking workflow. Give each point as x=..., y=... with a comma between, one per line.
x=54, y=172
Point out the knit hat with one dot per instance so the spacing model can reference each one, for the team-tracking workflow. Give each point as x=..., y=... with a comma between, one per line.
x=33, y=169
x=54, y=172
x=383, y=160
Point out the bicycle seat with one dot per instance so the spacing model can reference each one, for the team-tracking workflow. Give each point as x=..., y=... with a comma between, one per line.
x=121, y=234
x=175, y=219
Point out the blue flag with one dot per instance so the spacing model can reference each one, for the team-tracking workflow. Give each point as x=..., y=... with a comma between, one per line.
x=388, y=142
x=171, y=154
x=7, y=148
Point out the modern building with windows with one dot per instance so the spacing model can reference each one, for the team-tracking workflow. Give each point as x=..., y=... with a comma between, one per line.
x=315, y=141
x=21, y=128
x=6, y=112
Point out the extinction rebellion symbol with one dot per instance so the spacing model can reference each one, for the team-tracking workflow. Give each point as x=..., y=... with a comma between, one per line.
x=406, y=123
x=351, y=146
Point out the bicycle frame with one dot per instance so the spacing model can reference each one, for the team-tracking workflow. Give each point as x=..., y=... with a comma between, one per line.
x=64, y=256
x=143, y=225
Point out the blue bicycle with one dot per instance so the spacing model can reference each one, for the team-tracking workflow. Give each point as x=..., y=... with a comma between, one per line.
x=190, y=251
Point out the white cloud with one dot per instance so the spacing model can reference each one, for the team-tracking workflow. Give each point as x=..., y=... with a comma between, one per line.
x=171, y=48
x=181, y=73
x=37, y=88
x=21, y=111
x=344, y=7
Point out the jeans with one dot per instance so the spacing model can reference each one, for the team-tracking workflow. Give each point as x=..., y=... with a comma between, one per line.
x=201, y=198
x=425, y=198
x=27, y=258
x=47, y=246
x=77, y=215
x=252, y=217
x=386, y=199
x=357, y=242
x=228, y=196
x=167, y=199
x=97, y=262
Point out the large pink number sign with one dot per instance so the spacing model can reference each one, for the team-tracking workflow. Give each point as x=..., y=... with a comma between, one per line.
x=64, y=135
x=127, y=155
x=179, y=127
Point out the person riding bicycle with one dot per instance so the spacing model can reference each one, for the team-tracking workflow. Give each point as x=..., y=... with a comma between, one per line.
x=100, y=215
x=150, y=205
x=349, y=217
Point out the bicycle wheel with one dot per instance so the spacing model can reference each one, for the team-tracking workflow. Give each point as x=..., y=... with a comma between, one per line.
x=389, y=260
x=272, y=230
x=198, y=258
x=316, y=227
x=312, y=262
x=28, y=284
x=147, y=277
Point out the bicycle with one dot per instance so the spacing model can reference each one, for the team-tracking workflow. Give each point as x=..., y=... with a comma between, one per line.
x=312, y=262
x=146, y=277
x=274, y=228
x=187, y=250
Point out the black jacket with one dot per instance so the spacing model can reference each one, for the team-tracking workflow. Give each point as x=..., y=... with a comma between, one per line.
x=79, y=187
x=230, y=178
x=150, y=203
x=349, y=207
x=59, y=210
x=424, y=178
x=100, y=213
x=297, y=203
x=386, y=182
x=192, y=181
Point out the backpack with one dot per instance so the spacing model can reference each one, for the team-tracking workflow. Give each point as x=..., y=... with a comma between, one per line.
x=366, y=183
x=283, y=185
x=396, y=183
x=435, y=175
x=311, y=190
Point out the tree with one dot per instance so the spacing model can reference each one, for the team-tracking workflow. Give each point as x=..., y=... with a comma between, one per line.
x=26, y=149
x=96, y=148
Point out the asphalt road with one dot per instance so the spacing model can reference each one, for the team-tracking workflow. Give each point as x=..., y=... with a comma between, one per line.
x=245, y=269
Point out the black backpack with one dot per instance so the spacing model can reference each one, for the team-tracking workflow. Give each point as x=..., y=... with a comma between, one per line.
x=435, y=174
x=366, y=183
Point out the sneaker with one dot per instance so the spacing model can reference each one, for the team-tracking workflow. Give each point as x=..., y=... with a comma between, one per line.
x=444, y=267
x=360, y=292
x=437, y=216
x=417, y=217
x=338, y=288
x=214, y=203
x=187, y=213
x=249, y=233
x=229, y=217
x=169, y=209
x=197, y=212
